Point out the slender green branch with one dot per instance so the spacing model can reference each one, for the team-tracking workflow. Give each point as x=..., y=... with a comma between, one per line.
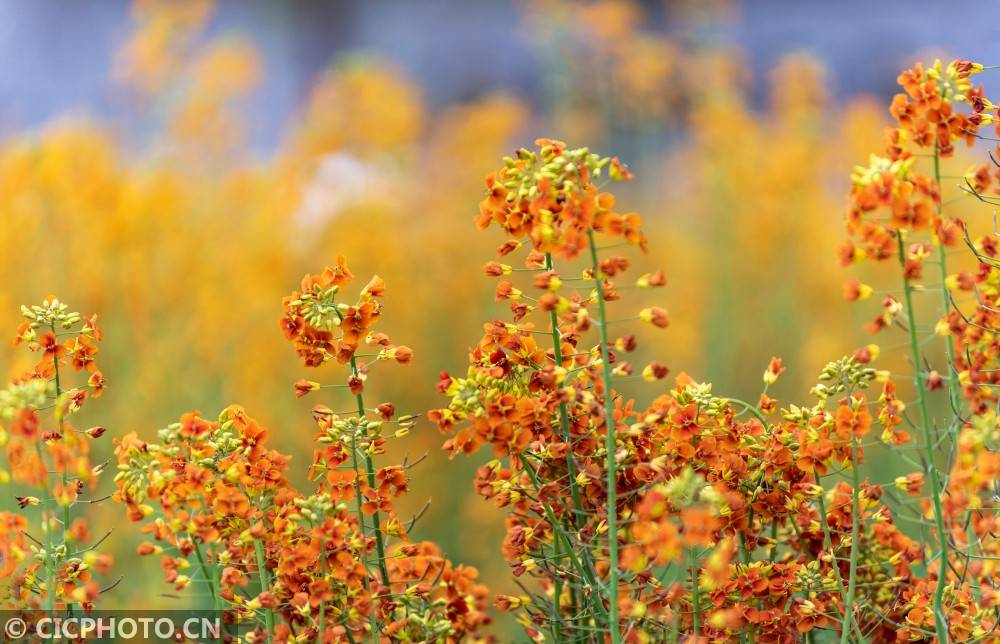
x=695, y=593
x=50, y=567
x=265, y=583
x=204, y=568
x=610, y=447
x=583, y=568
x=557, y=617
x=571, y=472
x=213, y=578
x=217, y=595
x=370, y=474
x=940, y=622
x=65, y=480
x=828, y=543
x=953, y=390
x=563, y=413
x=750, y=408
x=852, y=578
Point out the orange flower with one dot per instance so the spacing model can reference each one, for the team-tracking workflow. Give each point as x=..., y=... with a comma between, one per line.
x=656, y=316
x=304, y=387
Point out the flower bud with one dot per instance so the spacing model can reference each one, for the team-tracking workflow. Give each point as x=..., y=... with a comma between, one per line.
x=656, y=316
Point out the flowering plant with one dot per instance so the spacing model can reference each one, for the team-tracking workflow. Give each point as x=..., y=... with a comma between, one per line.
x=335, y=564
x=54, y=563
x=701, y=515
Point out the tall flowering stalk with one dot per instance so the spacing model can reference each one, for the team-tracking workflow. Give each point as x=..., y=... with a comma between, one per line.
x=55, y=565
x=333, y=565
x=550, y=197
x=897, y=213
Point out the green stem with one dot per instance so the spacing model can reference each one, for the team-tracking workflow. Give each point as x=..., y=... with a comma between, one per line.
x=695, y=594
x=50, y=590
x=953, y=391
x=376, y=520
x=557, y=617
x=610, y=447
x=214, y=582
x=828, y=543
x=370, y=474
x=772, y=555
x=582, y=568
x=361, y=526
x=217, y=596
x=574, y=487
x=213, y=579
x=750, y=408
x=265, y=583
x=940, y=622
x=845, y=626
x=65, y=481
x=203, y=567
x=563, y=413
x=322, y=606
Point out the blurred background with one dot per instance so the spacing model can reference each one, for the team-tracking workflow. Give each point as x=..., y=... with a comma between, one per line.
x=177, y=166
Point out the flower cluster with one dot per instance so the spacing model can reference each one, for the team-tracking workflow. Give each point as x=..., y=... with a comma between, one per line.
x=313, y=314
x=956, y=598
x=334, y=564
x=927, y=119
x=52, y=563
x=695, y=515
x=549, y=196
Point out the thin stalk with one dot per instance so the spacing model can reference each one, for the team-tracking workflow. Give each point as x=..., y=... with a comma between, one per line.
x=322, y=606
x=557, y=617
x=582, y=568
x=940, y=623
x=953, y=392
x=750, y=408
x=50, y=597
x=744, y=553
x=265, y=583
x=610, y=447
x=217, y=596
x=65, y=481
x=361, y=526
x=204, y=568
x=563, y=413
x=370, y=474
x=213, y=581
x=574, y=488
x=855, y=536
x=376, y=521
x=695, y=594
x=828, y=543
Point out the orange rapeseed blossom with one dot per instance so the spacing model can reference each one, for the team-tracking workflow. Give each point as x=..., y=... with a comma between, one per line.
x=48, y=453
x=550, y=197
x=898, y=211
x=214, y=495
x=603, y=496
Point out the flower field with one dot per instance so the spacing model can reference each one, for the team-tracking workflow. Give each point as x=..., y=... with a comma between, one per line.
x=661, y=352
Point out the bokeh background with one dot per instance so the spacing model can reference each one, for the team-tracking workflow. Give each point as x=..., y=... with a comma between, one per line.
x=176, y=166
